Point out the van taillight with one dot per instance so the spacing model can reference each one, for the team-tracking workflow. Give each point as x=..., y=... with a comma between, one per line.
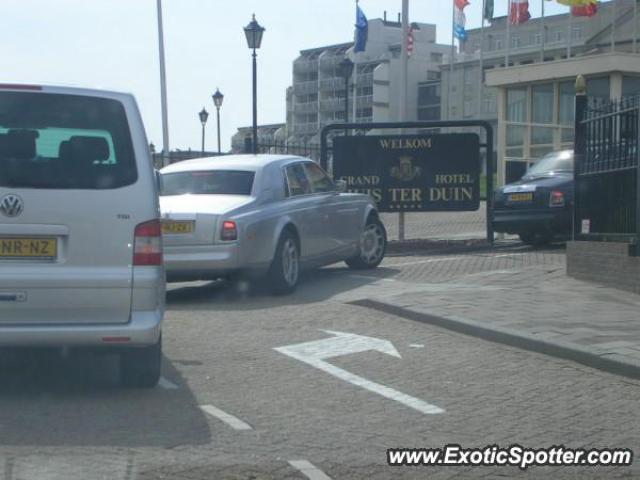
x=229, y=230
x=147, y=244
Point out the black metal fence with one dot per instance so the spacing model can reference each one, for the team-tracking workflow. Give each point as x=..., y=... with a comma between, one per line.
x=607, y=170
x=309, y=150
x=178, y=156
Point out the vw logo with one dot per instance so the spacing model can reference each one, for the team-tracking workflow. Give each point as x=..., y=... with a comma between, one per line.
x=11, y=205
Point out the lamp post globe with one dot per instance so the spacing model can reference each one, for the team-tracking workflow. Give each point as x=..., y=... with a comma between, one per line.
x=254, y=32
x=204, y=115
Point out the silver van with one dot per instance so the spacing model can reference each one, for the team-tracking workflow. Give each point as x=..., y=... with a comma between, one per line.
x=80, y=237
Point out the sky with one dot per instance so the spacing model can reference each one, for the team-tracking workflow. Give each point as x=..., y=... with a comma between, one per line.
x=114, y=44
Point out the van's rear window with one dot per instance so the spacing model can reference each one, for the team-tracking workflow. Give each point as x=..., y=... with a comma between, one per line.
x=64, y=142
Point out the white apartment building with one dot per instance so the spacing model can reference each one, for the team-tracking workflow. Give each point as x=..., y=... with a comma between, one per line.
x=317, y=95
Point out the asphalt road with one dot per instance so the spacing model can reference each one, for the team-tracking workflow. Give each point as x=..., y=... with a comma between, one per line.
x=246, y=396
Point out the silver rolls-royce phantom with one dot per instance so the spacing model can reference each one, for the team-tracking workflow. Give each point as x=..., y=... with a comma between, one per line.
x=263, y=215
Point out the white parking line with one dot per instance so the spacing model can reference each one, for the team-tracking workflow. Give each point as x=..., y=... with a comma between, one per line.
x=233, y=422
x=167, y=384
x=309, y=470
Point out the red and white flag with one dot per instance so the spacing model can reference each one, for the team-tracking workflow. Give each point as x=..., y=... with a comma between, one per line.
x=519, y=12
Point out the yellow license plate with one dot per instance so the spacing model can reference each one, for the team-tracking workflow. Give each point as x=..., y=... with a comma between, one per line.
x=521, y=197
x=177, y=227
x=20, y=248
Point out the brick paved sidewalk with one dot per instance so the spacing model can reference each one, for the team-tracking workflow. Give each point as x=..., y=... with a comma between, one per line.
x=534, y=306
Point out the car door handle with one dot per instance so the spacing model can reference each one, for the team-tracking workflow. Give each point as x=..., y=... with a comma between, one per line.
x=13, y=297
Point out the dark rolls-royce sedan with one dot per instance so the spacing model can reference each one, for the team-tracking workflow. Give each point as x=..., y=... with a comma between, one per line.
x=538, y=206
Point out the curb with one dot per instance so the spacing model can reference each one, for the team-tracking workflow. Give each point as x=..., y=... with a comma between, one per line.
x=513, y=338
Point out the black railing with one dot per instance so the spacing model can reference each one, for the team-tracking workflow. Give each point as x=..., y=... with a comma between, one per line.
x=309, y=150
x=607, y=170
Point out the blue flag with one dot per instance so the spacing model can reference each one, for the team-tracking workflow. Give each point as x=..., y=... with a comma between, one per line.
x=362, y=31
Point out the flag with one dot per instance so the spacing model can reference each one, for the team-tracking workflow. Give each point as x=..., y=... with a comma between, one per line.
x=577, y=3
x=410, y=41
x=584, y=10
x=519, y=12
x=488, y=10
x=362, y=31
x=460, y=19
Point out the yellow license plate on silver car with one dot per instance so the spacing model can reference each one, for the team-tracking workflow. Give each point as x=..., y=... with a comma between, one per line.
x=521, y=197
x=176, y=227
x=28, y=248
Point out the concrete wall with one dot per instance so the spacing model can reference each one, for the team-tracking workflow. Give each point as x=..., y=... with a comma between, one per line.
x=608, y=263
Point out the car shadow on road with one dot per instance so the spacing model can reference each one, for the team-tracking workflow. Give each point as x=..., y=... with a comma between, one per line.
x=50, y=400
x=313, y=286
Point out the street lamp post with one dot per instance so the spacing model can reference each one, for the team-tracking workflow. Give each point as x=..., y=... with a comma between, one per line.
x=254, y=32
x=204, y=115
x=345, y=69
x=217, y=101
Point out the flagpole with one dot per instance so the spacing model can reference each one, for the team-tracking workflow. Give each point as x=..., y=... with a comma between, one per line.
x=508, y=45
x=613, y=25
x=163, y=89
x=481, y=81
x=569, y=33
x=543, y=34
x=403, y=89
x=635, y=25
x=451, y=55
x=355, y=81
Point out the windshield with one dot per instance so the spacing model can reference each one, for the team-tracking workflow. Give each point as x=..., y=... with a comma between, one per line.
x=552, y=163
x=212, y=182
x=64, y=142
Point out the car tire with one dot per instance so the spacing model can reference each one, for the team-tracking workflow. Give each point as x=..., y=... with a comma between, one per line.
x=140, y=367
x=285, y=268
x=373, y=245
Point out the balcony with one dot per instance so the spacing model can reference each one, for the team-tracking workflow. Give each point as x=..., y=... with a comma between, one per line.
x=364, y=79
x=334, y=83
x=306, y=107
x=305, y=128
x=303, y=88
x=364, y=101
x=330, y=62
x=305, y=66
x=332, y=104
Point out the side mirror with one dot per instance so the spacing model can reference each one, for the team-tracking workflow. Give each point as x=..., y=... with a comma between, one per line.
x=341, y=186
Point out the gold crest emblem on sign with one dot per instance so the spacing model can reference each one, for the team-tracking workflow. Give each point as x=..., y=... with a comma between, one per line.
x=405, y=170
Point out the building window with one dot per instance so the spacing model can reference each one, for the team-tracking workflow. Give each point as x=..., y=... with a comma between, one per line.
x=576, y=33
x=598, y=88
x=429, y=113
x=436, y=57
x=559, y=36
x=630, y=86
x=517, y=105
x=515, y=41
x=468, y=108
x=542, y=103
x=536, y=39
x=566, y=106
x=489, y=104
x=364, y=112
x=429, y=94
x=498, y=44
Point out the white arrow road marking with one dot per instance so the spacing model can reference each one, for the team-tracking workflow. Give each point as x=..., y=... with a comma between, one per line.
x=233, y=422
x=314, y=353
x=309, y=470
